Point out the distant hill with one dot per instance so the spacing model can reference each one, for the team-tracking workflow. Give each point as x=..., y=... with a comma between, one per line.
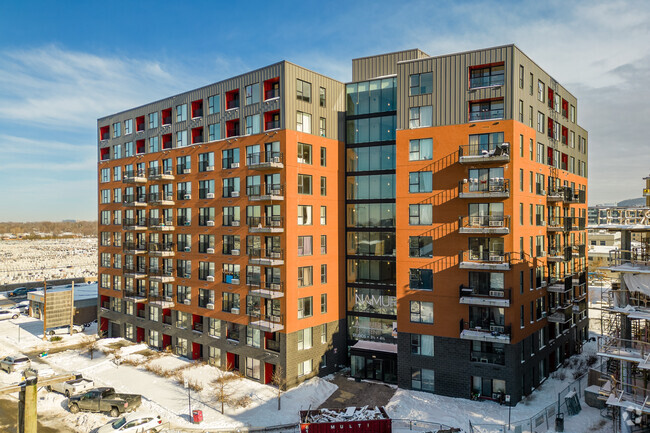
x=66, y=228
x=633, y=202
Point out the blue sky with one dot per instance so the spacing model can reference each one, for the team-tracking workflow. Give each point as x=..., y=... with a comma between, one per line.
x=64, y=64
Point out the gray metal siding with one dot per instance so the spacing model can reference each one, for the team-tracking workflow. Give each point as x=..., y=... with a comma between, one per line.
x=451, y=86
x=366, y=68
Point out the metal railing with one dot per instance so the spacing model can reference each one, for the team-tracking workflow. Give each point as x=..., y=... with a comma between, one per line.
x=487, y=150
x=486, y=114
x=486, y=81
x=485, y=221
x=262, y=159
x=492, y=185
x=265, y=253
x=487, y=326
x=484, y=256
x=485, y=292
x=271, y=93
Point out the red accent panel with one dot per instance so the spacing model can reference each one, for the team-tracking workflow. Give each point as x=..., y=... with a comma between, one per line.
x=230, y=360
x=197, y=135
x=268, y=372
x=103, y=324
x=139, y=336
x=565, y=108
x=139, y=123
x=197, y=108
x=167, y=141
x=167, y=340
x=550, y=127
x=565, y=135
x=196, y=351
x=139, y=146
x=549, y=154
x=167, y=116
x=104, y=153
x=550, y=97
x=104, y=132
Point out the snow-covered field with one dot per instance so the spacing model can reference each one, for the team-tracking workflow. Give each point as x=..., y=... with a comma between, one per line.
x=34, y=260
x=133, y=368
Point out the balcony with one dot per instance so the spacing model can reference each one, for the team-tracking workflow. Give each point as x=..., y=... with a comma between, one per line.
x=267, y=224
x=134, y=176
x=104, y=132
x=562, y=317
x=486, y=81
x=158, y=173
x=266, y=160
x=161, y=249
x=478, y=153
x=161, y=199
x=485, y=296
x=133, y=200
x=560, y=224
x=161, y=275
x=136, y=272
x=164, y=302
x=161, y=224
x=272, y=345
x=499, y=225
x=263, y=256
x=271, y=93
x=130, y=224
x=559, y=254
x=134, y=248
x=560, y=285
x=484, y=260
x=488, y=357
x=266, y=323
x=271, y=124
x=486, y=115
x=135, y=296
x=268, y=290
x=266, y=192
x=485, y=331
x=496, y=187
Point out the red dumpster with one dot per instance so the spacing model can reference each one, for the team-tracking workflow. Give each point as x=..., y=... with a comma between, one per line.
x=349, y=420
x=197, y=416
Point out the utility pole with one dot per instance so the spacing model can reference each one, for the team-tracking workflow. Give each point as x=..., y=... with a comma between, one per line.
x=44, y=309
x=27, y=406
x=71, y=308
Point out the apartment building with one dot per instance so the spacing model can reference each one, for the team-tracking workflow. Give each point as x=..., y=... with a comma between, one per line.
x=447, y=195
x=220, y=234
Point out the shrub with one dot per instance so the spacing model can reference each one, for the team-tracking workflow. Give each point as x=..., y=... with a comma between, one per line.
x=56, y=338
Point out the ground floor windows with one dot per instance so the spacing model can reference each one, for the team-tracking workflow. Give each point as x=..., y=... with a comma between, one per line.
x=488, y=388
x=304, y=367
x=372, y=366
x=422, y=379
x=214, y=356
x=253, y=368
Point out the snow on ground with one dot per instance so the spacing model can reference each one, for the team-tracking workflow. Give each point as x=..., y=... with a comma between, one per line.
x=34, y=260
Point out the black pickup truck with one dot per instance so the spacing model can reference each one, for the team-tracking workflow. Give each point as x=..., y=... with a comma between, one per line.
x=104, y=400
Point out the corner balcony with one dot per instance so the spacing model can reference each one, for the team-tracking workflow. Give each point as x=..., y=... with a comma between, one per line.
x=266, y=322
x=496, y=187
x=134, y=176
x=134, y=248
x=161, y=249
x=268, y=224
x=264, y=256
x=559, y=254
x=268, y=290
x=137, y=272
x=164, y=302
x=161, y=224
x=265, y=161
x=487, y=153
x=266, y=192
x=161, y=199
x=159, y=173
x=485, y=296
x=484, y=260
x=499, y=225
x=131, y=224
x=560, y=224
x=487, y=331
x=560, y=285
x=133, y=200
x=161, y=275
x=562, y=317
x=134, y=296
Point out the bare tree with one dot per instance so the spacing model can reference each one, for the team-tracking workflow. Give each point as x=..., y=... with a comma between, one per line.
x=278, y=379
x=223, y=391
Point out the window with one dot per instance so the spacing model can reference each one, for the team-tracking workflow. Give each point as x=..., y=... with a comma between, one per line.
x=305, y=339
x=305, y=277
x=530, y=116
x=106, y=196
x=420, y=84
x=253, y=338
x=532, y=84
x=485, y=77
x=572, y=114
x=304, y=215
x=323, y=215
x=540, y=91
x=117, y=151
x=321, y=96
x=521, y=111
x=231, y=187
x=230, y=243
x=229, y=302
x=253, y=124
x=305, y=307
x=153, y=120
x=421, y=279
x=422, y=345
x=252, y=94
x=540, y=122
x=420, y=214
x=214, y=104
x=303, y=90
x=304, y=367
x=105, y=175
x=304, y=153
x=486, y=110
x=128, y=126
x=323, y=156
x=303, y=122
x=323, y=274
x=214, y=132
x=129, y=149
x=421, y=150
x=323, y=185
x=304, y=246
x=521, y=76
x=422, y=312
x=154, y=144
x=420, y=181
x=323, y=303
x=420, y=117
x=323, y=333
x=421, y=246
x=322, y=127
x=181, y=138
x=304, y=184
x=521, y=214
x=117, y=129
x=181, y=113
x=214, y=327
x=230, y=157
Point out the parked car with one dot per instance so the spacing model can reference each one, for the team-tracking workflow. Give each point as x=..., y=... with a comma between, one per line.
x=9, y=313
x=104, y=400
x=22, y=306
x=78, y=385
x=65, y=329
x=13, y=363
x=40, y=372
x=134, y=423
x=21, y=292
